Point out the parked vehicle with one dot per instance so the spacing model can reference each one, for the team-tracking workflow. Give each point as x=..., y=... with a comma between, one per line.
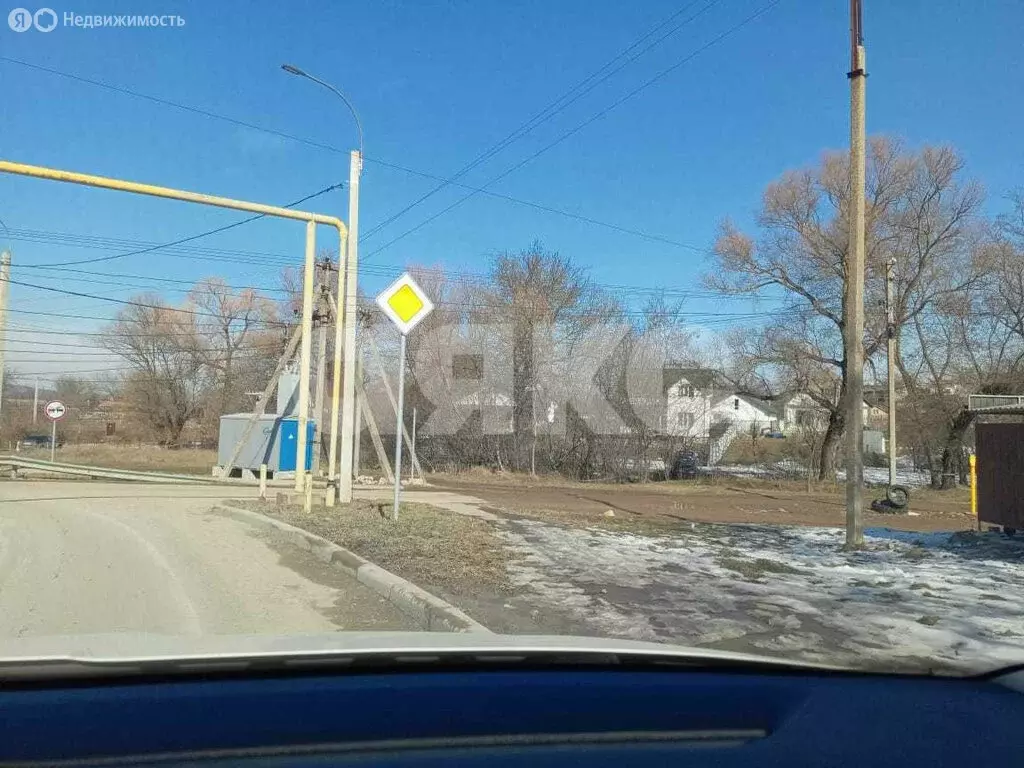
x=685, y=466
x=38, y=441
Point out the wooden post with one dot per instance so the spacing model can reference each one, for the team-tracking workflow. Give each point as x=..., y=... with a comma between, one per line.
x=263, y=482
x=371, y=424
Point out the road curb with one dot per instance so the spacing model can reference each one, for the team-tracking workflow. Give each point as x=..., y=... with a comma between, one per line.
x=432, y=612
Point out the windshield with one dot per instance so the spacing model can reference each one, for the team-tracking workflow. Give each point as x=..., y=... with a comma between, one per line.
x=662, y=324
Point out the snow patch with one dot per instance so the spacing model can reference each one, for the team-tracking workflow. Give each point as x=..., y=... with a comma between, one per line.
x=954, y=598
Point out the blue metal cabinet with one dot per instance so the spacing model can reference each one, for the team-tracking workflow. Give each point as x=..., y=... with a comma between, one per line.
x=289, y=444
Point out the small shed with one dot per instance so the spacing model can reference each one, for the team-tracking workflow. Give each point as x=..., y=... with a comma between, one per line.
x=999, y=448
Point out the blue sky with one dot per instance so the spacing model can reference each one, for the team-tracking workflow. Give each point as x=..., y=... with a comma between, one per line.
x=436, y=83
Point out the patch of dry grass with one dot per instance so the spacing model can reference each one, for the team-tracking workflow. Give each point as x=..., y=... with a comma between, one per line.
x=144, y=458
x=643, y=525
x=428, y=546
x=743, y=450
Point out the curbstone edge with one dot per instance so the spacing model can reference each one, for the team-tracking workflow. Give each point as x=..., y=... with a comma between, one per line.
x=431, y=611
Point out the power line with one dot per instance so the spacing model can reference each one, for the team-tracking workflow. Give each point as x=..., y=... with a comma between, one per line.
x=43, y=331
x=379, y=269
x=537, y=206
x=337, y=150
x=168, y=103
x=190, y=238
x=573, y=94
x=593, y=118
x=190, y=283
x=126, y=302
x=452, y=304
x=79, y=240
x=68, y=373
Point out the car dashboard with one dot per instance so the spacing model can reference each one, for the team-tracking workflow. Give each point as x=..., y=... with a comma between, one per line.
x=500, y=712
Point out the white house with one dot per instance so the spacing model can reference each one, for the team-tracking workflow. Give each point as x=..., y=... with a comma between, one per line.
x=700, y=403
x=800, y=410
x=698, y=398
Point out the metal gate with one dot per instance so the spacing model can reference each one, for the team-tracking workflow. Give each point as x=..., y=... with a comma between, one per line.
x=1000, y=473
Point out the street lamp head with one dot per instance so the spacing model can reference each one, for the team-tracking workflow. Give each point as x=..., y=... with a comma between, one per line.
x=291, y=69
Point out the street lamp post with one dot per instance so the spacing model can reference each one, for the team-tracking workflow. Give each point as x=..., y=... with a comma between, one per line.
x=340, y=477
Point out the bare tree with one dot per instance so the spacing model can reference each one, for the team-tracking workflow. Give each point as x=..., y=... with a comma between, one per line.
x=918, y=212
x=165, y=349
x=228, y=324
x=536, y=289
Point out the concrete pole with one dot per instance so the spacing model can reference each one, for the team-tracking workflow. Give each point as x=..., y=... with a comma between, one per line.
x=305, y=356
x=332, y=453
x=357, y=438
x=5, y=286
x=351, y=295
x=890, y=361
x=854, y=290
x=35, y=403
x=321, y=383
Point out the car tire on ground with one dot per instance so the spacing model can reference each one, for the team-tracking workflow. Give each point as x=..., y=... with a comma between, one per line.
x=898, y=495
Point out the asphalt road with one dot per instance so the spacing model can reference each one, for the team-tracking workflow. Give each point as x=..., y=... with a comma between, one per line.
x=86, y=558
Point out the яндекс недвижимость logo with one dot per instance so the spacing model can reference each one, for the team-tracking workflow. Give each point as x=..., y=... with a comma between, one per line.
x=22, y=19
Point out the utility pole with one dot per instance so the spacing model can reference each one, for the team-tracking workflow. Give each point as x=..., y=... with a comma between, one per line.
x=305, y=358
x=350, y=313
x=5, y=286
x=358, y=437
x=890, y=361
x=339, y=480
x=35, y=403
x=323, y=319
x=853, y=314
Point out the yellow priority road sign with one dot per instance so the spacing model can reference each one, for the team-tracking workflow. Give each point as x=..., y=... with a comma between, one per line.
x=405, y=303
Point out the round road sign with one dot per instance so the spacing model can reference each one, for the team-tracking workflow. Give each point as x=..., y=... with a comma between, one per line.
x=55, y=410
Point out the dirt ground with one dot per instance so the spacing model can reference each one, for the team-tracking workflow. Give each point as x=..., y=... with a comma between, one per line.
x=715, y=500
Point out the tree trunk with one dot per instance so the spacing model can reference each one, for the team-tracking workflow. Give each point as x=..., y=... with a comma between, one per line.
x=830, y=445
x=934, y=469
x=965, y=470
x=953, y=450
x=523, y=417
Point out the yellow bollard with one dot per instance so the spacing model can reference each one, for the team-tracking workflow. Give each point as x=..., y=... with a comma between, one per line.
x=973, y=463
